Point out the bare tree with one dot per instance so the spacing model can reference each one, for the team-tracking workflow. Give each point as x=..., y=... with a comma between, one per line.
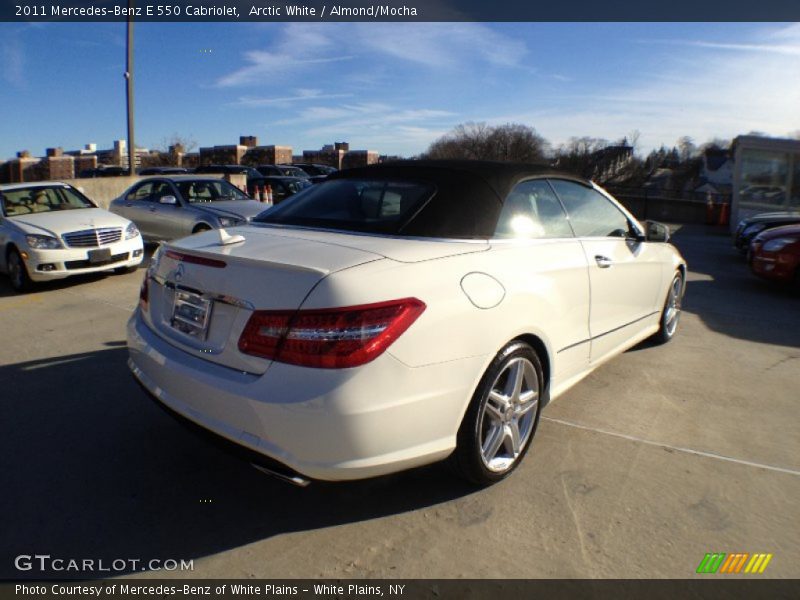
x=170, y=148
x=479, y=141
x=633, y=139
x=686, y=148
x=580, y=154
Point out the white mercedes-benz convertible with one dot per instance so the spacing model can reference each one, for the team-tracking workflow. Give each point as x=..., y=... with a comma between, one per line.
x=400, y=314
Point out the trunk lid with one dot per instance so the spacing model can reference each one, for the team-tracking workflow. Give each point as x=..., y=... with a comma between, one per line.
x=223, y=284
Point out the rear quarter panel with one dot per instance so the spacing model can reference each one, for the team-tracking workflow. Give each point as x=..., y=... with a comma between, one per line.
x=546, y=294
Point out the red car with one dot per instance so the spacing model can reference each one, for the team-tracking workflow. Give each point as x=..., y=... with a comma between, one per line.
x=775, y=254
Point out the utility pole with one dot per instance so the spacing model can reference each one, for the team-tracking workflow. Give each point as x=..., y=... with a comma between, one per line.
x=129, y=92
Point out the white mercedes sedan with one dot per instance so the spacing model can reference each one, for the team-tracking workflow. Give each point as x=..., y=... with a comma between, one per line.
x=50, y=230
x=401, y=314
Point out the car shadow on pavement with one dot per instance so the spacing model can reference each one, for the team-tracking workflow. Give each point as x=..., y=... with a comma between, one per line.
x=728, y=298
x=47, y=286
x=94, y=469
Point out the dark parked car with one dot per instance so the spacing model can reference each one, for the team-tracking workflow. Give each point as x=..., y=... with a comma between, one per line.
x=163, y=171
x=103, y=172
x=281, y=171
x=166, y=208
x=775, y=254
x=293, y=171
x=282, y=186
x=316, y=169
x=269, y=170
x=751, y=226
x=228, y=170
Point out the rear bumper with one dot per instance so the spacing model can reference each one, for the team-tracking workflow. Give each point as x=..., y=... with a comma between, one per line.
x=328, y=424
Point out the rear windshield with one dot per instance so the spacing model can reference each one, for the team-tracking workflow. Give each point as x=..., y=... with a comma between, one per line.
x=373, y=206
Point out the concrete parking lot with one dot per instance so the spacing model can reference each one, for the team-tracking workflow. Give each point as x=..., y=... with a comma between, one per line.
x=662, y=455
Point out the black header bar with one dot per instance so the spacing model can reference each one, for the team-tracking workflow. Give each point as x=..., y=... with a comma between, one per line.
x=398, y=10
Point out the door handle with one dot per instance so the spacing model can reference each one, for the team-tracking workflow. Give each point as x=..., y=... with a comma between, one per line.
x=129, y=204
x=603, y=261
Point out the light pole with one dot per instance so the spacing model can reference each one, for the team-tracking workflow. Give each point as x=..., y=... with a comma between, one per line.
x=129, y=92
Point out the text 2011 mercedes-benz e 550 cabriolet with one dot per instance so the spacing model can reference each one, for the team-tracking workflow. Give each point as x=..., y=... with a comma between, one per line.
x=400, y=314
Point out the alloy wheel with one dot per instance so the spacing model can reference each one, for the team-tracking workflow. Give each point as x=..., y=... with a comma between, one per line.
x=509, y=414
x=672, y=314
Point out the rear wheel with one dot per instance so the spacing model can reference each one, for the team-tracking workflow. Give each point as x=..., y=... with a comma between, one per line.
x=671, y=314
x=201, y=227
x=501, y=420
x=18, y=272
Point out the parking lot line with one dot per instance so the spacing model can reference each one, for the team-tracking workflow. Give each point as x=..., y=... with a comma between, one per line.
x=634, y=438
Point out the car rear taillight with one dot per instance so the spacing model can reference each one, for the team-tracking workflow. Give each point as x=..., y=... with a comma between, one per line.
x=331, y=338
x=144, y=292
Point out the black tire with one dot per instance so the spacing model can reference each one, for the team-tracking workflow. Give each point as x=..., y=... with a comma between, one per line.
x=201, y=227
x=126, y=270
x=668, y=327
x=17, y=271
x=483, y=424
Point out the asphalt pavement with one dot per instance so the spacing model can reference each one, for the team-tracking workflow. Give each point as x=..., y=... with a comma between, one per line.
x=660, y=456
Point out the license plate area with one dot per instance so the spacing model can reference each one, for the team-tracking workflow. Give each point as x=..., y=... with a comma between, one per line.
x=191, y=313
x=103, y=255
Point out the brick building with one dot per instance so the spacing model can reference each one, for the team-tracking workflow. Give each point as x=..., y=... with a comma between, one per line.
x=359, y=158
x=222, y=155
x=340, y=156
x=268, y=155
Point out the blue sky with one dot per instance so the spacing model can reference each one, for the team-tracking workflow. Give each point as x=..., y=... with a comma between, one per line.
x=395, y=87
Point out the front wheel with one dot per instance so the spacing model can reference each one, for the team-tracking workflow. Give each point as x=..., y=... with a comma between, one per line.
x=671, y=314
x=18, y=272
x=501, y=420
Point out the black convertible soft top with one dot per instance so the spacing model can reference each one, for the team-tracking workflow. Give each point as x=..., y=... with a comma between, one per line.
x=499, y=177
x=441, y=199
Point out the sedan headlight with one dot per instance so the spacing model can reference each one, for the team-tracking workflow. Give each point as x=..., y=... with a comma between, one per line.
x=754, y=229
x=131, y=231
x=777, y=244
x=230, y=221
x=43, y=242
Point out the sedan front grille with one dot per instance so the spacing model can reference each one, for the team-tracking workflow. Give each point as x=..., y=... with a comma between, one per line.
x=93, y=238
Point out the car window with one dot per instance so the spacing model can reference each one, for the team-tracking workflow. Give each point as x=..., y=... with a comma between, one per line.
x=591, y=214
x=353, y=205
x=141, y=193
x=209, y=191
x=532, y=210
x=160, y=189
x=296, y=186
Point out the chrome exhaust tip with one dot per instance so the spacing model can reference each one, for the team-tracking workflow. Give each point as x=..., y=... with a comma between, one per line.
x=292, y=478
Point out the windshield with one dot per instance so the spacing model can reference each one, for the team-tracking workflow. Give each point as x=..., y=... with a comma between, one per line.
x=209, y=191
x=24, y=201
x=380, y=206
x=294, y=172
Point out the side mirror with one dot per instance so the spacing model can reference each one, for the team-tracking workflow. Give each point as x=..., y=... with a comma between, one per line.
x=168, y=200
x=657, y=232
